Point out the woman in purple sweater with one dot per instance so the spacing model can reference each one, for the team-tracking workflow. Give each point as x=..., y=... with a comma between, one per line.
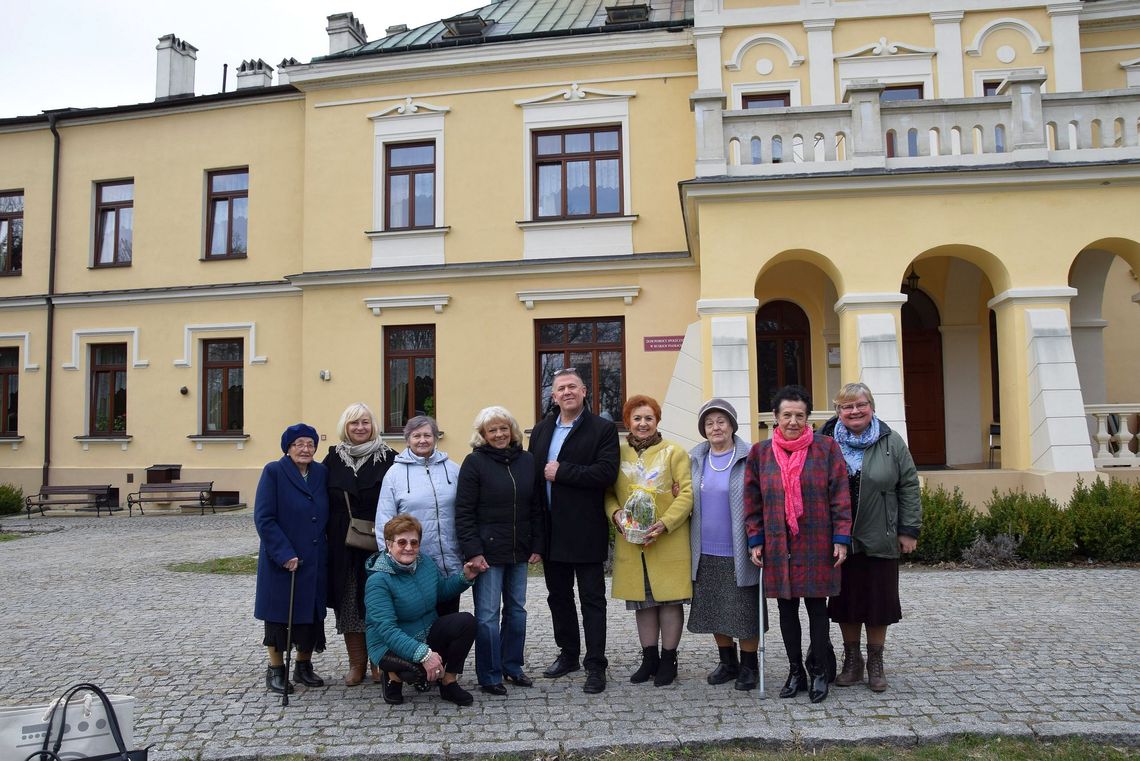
x=725, y=594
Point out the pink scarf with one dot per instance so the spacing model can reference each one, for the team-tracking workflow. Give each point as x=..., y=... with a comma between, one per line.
x=790, y=456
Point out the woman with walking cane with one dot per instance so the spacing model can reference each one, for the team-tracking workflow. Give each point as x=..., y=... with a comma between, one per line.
x=291, y=510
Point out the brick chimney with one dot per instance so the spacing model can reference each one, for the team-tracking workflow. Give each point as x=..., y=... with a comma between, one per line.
x=345, y=32
x=254, y=74
x=175, y=72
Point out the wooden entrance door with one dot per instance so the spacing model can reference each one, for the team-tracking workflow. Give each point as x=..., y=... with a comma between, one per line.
x=922, y=380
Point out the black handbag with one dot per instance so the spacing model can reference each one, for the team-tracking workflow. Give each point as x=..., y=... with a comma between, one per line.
x=56, y=729
x=361, y=534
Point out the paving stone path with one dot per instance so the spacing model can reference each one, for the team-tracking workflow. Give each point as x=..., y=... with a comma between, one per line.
x=1028, y=653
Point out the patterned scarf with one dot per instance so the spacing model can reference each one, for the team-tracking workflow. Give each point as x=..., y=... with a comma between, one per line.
x=355, y=455
x=640, y=445
x=790, y=456
x=853, y=445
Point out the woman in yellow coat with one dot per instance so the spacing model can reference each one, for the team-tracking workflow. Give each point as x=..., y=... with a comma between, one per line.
x=653, y=578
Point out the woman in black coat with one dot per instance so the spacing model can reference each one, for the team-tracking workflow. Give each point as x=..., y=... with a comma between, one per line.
x=356, y=466
x=499, y=524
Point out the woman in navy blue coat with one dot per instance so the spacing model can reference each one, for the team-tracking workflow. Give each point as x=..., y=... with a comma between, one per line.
x=291, y=511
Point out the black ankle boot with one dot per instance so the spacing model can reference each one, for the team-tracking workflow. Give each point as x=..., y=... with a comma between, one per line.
x=393, y=690
x=797, y=681
x=275, y=680
x=667, y=669
x=303, y=673
x=817, y=681
x=749, y=674
x=728, y=669
x=650, y=660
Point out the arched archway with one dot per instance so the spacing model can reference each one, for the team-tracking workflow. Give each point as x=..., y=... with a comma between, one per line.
x=922, y=379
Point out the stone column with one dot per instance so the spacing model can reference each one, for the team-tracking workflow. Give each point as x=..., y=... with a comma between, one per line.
x=1042, y=407
x=948, y=42
x=1027, y=125
x=870, y=331
x=1065, y=20
x=728, y=330
x=868, y=144
x=821, y=62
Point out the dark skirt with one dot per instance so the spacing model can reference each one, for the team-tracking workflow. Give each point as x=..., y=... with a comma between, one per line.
x=721, y=607
x=870, y=592
x=648, y=602
x=307, y=638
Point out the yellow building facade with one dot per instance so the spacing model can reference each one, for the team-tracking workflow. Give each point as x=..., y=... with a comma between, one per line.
x=685, y=199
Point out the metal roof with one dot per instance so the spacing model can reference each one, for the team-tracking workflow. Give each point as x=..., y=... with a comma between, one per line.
x=528, y=19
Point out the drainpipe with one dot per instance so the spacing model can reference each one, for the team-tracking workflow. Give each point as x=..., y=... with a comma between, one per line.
x=49, y=362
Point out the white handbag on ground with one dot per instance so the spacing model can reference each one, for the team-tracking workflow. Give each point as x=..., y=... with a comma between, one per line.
x=86, y=730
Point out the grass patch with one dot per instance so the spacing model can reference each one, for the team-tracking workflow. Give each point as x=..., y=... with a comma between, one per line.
x=237, y=565
x=5, y=537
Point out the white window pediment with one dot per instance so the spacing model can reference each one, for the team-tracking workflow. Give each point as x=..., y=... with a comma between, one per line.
x=789, y=50
x=892, y=63
x=1036, y=44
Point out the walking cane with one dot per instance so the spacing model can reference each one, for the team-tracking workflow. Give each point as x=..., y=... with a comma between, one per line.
x=760, y=653
x=289, y=633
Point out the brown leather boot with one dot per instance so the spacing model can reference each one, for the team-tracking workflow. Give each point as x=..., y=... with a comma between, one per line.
x=876, y=677
x=357, y=658
x=852, y=672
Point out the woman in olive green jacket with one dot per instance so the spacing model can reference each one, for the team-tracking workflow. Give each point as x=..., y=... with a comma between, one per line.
x=654, y=578
x=886, y=515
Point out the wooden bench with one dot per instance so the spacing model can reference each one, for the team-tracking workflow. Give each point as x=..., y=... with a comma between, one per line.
x=80, y=496
x=200, y=492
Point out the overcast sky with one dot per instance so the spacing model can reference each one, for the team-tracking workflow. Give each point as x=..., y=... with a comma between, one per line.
x=83, y=53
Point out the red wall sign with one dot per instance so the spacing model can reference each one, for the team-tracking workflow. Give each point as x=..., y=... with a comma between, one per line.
x=663, y=343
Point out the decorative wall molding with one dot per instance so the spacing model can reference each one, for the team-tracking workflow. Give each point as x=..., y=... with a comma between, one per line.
x=407, y=107
x=852, y=301
x=575, y=92
x=1037, y=45
x=26, y=337
x=764, y=38
x=627, y=293
x=1033, y=296
x=77, y=335
x=188, y=332
x=238, y=442
x=727, y=306
x=884, y=47
x=379, y=303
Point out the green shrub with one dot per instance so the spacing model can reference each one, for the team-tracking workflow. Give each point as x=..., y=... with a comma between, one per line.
x=11, y=499
x=1044, y=531
x=949, y=526
x=1106, y=520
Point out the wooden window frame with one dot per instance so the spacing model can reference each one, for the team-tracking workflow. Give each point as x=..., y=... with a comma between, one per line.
x=412, y=355
x=7, y=374
x=411, y=172
x=593, y=393
x=229, y=196
x=117, y=207
x=780, y=337
x=225, y=365
x=900, y=87
x=564, y=158
x=98, y=370
x=14, y=264
x=766, y=97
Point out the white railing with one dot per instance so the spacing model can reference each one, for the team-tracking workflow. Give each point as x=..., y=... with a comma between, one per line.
x=1114, y=438
x=1021, y=124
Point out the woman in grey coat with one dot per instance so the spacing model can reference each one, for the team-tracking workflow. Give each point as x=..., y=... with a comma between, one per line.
x=726, y=591
x=422, y=483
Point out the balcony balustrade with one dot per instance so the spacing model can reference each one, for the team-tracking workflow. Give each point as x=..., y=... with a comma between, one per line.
x=1112, y=442
x=1020, y=124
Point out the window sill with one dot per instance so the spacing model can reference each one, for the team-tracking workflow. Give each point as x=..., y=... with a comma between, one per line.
x=12, y=273
x=110, y=266
x=237, y=439
x=407, y=232
x=220, y=258
x=13, y=439
x=570, y=222
x=122, y=440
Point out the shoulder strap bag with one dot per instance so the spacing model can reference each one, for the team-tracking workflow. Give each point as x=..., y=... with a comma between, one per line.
x=361, y=534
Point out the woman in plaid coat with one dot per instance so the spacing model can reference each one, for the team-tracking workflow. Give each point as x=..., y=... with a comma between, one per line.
x=797, y=515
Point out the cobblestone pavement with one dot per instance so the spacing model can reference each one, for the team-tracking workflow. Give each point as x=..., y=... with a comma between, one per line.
x=1031, y=653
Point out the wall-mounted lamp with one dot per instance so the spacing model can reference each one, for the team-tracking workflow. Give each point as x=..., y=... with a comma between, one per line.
x=912, y=279
x=326, y=375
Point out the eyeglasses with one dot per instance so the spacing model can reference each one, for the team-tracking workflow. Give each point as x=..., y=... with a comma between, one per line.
x=298, y=444
x=860, y=406
x=402, y=543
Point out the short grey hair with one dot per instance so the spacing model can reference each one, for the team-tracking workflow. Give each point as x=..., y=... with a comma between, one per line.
x=488, y=415
x=852, y=391
x=419, y=421
x=351, y=414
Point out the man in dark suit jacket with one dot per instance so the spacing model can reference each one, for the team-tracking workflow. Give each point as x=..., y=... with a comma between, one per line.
x=576, y=456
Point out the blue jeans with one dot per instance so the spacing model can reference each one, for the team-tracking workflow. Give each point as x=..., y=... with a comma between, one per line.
x=499, y=649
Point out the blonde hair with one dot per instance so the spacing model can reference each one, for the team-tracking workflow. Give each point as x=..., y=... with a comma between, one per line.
x=852, y=391
x=486, y=416
x=351, y=414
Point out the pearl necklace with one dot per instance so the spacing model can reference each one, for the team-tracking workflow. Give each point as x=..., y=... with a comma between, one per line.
x=714, y=467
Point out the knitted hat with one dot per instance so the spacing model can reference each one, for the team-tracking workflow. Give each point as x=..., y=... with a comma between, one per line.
x=297, y=431
x=716, y=405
